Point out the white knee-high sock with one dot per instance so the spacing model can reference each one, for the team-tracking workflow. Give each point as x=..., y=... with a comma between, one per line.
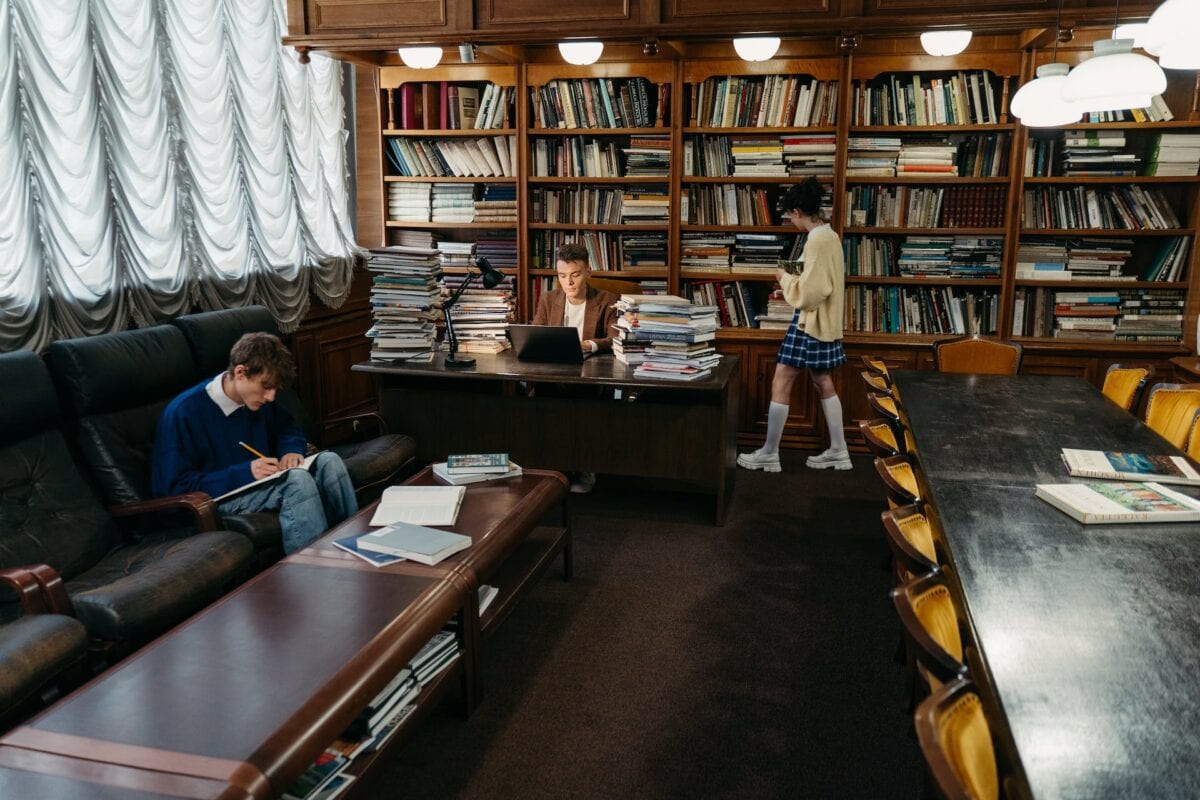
x=832, y=408
x=776, y=417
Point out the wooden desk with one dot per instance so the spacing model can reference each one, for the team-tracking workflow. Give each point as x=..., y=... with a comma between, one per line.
x=684, y=431
x=1088, y=634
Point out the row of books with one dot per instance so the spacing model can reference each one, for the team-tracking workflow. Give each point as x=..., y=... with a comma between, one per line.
x=921, y=310
x=1130, y=207
x=950, y=257
x=1074, y=259
x=666, y=336
x=722, y=253
x=433, y=202
x=607, y=251
x=1082, y=153
x=748, y=156
x=600, y=206
x=581, y=157
x=755, y=101
x=601, y=103
x=734, y=301
x=443, y=105
x=484, y=157
x=970, y=206
x=1138, y=315
x=911, y=99
x=726, y=204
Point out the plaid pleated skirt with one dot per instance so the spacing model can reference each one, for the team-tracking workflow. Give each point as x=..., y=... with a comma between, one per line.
x=803, y=351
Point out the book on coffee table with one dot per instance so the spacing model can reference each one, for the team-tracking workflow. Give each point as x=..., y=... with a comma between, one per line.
x=419, y=505
x=1129, y=466
x=414, y=542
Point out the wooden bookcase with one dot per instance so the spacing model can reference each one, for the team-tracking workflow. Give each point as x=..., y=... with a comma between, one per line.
x=870, y=59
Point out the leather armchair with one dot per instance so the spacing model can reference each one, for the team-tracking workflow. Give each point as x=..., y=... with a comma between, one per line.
x=124, y=594
x=113, y=389
x=373, y=463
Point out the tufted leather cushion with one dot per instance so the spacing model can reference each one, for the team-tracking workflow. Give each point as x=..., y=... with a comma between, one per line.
x=263, y=531
x=140, y=590
x=114, y=388
x=29, y=403
x=376, y=460
x=33, y=649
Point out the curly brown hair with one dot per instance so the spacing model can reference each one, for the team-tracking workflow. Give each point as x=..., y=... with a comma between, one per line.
x=263, y=353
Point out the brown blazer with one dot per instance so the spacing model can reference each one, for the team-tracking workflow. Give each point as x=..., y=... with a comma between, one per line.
x=598, y=319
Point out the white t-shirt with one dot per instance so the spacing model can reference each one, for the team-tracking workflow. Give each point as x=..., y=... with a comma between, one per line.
x=574, y=317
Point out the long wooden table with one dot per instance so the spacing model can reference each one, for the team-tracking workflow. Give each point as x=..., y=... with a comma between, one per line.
x=684, y=431
x=1089, y=636
x=238, y=701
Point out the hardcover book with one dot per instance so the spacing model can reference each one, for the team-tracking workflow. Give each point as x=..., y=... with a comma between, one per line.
x=1129, y=466
x=414, y=542
x=473, y=463
x=419, y=505
x=461, y=479
x=1098, y=502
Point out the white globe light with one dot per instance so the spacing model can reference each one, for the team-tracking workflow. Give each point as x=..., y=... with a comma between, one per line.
x=945, y=43
x=756, y=48
x=1040, y=103
x=1114, y=78
x=421, y=57
x=1179, y=54
x=1132, y=30
x=581, y=53
x=1174, y=20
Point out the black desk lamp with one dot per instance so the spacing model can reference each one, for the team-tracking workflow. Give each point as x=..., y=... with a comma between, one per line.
x=491, y=278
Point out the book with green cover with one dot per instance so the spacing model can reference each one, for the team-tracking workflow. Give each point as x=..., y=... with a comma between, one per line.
x=1129, y=466
x=1101, y=502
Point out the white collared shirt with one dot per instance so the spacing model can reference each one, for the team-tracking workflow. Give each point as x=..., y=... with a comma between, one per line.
x=217, y=394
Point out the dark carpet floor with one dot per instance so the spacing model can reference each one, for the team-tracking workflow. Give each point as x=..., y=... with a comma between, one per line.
x=690, y=661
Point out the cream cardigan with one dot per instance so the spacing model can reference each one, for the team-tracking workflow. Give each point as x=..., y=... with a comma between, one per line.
x=820, y=290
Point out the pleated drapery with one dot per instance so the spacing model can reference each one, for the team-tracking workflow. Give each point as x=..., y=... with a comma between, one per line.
x=157, y=155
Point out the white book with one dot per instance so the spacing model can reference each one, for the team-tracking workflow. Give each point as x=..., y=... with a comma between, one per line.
x=1099, y=502
x=415, y=542
x=1129, y=466
x=419, y=505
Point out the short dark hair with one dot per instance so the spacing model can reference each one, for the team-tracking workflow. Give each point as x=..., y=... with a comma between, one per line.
x=263, y=353
x=804, y=197
x=573, y=251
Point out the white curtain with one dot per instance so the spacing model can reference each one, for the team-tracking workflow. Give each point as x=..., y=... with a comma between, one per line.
x=157, y=155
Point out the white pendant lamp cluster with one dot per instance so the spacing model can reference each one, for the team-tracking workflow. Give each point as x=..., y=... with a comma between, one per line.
x=756, y=48
x=1171, y=34
x=945, y=43
x=421, y=57
x=1040, y=103
x=581, y=52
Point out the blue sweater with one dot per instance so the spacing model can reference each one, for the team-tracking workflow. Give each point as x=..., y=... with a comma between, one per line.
x=196, y=447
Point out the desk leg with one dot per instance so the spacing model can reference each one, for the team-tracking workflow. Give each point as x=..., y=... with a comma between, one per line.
x=472, y=654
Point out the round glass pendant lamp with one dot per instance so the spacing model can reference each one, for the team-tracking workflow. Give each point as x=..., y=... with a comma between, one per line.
x=945, y=43
x=756, y=48
x=1175, y=21
x=1040, y=103
x=581, y=53
x=421, y=57
x=1114, y=78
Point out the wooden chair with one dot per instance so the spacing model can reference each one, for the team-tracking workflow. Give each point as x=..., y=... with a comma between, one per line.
x=880, y=437
x=899, y=481
x=957, y=743
x=974, y=354
x=1123, y=384
x=933, y=629
x=1171, y=409
x=876, y=366
x=910, y=538
x=876, y=383
x=616, y=286
x=887, y=408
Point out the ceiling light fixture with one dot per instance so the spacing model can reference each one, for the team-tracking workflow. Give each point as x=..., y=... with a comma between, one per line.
x=756, y=48
x=1040, y=103
x=1115, y=78
x=581, y=53
x=1132, y=30
x=945, y=43
x=1172, y=32
x=425, y=57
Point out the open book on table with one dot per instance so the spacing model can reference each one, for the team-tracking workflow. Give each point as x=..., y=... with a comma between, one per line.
x=274, y=476
x=1129, y=466
x=419, y=505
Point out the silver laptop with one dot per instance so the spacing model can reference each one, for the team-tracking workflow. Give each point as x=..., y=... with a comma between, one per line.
x=552, y=343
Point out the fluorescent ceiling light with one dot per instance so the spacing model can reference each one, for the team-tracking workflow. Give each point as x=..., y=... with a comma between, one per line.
x=756, y=48
x=1114, y=78
x=1040, y=103
x=581, y=53
x=421, y=57
x=945, y=43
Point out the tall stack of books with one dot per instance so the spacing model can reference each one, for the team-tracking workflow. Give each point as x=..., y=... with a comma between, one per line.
x=645, y=205
x=757, y=156
x=809, y=153
x=873, y=156
x=481, y=316
x=779, y=312
x=1097, y=152
x=648, y=155
x=927, y=157
x=409, y=202
x=1174, y=154
x=678, y=333
x=404, y=292
x=1150, y=315
x=453, y=202
x=1086, y=315
x=706, y=252
x=498, y=204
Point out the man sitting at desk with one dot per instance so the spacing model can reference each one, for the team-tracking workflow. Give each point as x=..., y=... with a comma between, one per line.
x=227, y=432
x=576, y=305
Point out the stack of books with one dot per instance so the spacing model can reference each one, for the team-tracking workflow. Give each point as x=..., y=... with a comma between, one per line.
x=779, y=313
x=1174, y=154
x=872, y=156
x=648, y=155
x=459, y=470
x=453, y=202
x=809, y=154
x=1097, y=152
x=757, y=156
x=1086, y=315
x=950, y=257
x=678, y=333
x=758, y=252
x=704, y=252
x=409, y=202
x=498, y=204
x=643, y=250
x=1074, y=259
x=654, y=286
x=927, y=157
x=1150, y=315
x=456, y=254
x=481, y=316
x=647, y=205
x=404, y=292
x=499, y=248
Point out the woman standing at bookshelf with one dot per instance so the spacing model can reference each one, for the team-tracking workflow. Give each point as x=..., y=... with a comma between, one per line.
x=814, y=339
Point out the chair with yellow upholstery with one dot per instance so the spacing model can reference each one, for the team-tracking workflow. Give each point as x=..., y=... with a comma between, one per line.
x=880, y=437
x=1193, y=441
x=977, y=355
x=876, y=383
x=933, y=629
x=899, y=481
x=910, y=538
x=956, y=742
x=616, y=286
x=1123, y=384
x=1171, y=409
x=877, y=366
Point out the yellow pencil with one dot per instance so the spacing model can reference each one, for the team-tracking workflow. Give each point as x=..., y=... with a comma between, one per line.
x=252, y=450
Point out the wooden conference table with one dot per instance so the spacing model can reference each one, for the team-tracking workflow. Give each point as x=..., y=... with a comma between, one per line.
x=238, y=700
x=678, y=430
x=1089, y=636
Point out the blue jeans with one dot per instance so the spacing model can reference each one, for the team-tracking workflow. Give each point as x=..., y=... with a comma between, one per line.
x=309, y=501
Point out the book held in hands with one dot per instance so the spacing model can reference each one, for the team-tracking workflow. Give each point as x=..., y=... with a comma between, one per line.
x=1106, y=503
x=414, y=542
x=1129, y=466
x=419, y=505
